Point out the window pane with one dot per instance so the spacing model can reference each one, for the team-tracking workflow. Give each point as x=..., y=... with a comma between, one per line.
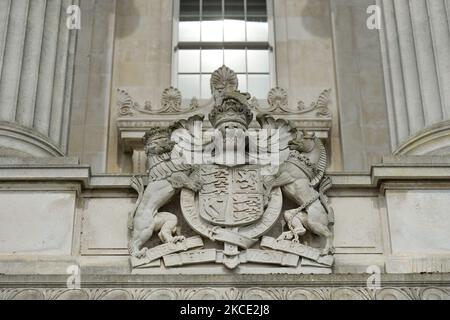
x=212, y=31
x=259, y=85
x=234, y=30
x=189, y=85
x=212, y=8
x=235, y=60
x=258, y=30
x=234, y=8
x=258, y=61
x=256, y=8
x=206, y=86
x=242, y=78
x=189, y=61
x=189, y=31
x=189, y=10
x=211, y=60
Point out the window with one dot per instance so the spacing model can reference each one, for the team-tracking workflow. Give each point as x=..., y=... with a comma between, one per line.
x=210, y=33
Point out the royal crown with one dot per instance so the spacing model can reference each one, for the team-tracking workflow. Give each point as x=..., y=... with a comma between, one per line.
x=233, y=109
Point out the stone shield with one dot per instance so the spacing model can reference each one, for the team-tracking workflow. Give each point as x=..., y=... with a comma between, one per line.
x=231, y=197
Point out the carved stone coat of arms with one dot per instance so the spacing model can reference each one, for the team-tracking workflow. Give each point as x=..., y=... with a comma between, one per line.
x=231, y=184
x=231, y=197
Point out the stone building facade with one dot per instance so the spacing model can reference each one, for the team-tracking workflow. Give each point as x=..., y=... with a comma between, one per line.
x=369, y=79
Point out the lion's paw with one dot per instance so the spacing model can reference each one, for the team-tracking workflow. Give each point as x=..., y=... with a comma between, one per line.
x=178, y=239
x=140, y=253
x=286, y=236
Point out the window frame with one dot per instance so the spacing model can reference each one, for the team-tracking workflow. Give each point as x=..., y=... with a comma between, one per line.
x=241, y=45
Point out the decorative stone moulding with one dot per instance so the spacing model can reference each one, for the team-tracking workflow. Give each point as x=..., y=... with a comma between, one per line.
x=433, y=141
x=229, y=293
x=242, y=287
x=171, y=103
x=135, y=118
x=19, y=141
x=278, y=104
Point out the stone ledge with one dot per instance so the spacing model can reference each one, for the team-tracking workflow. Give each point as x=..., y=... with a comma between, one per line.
x=273, y=280
x=41, y=162
x=52, y=173
x=68, y=169
x=401, y=160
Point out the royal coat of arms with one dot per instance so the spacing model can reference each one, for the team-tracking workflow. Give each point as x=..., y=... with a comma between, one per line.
x=228, y=196
x=231, y=197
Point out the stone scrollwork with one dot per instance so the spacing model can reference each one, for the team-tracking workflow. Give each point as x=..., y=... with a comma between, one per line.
x=171, y=100
x=278, y=99
x=321, y=105
x=278, y=103
x=230, y=293
x=125, y=103
x=171, y=103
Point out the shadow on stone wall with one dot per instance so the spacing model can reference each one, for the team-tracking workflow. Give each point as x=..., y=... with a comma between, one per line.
x=316, y=17
x=129, y=17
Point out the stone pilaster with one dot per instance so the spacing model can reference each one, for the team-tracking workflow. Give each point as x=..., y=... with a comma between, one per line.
x=415, y=41
x=36, y=71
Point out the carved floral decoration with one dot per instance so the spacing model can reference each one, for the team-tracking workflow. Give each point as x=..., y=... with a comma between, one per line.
x=224, y=79
x=171, y=100
x=171, y=103
x=278, y=103
x=278, y=99
x=231, y=293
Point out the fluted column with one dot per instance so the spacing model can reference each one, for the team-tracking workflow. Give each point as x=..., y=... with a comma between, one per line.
x=12, y=58
x=415, y=40
x=30, y=66
x=36, y=71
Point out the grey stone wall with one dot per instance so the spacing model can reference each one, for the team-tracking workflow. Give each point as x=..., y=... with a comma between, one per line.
x=305, y=60
x=364, y=125
x=142, y=63
x=92, y=87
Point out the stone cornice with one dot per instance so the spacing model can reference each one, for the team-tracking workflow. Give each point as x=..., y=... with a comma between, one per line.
x=132, y=130
x=200, y=287
x=45, y=173
x=422, y=173
x=200, y=280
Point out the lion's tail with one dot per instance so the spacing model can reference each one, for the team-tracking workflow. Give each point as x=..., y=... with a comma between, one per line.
x=137, y=183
